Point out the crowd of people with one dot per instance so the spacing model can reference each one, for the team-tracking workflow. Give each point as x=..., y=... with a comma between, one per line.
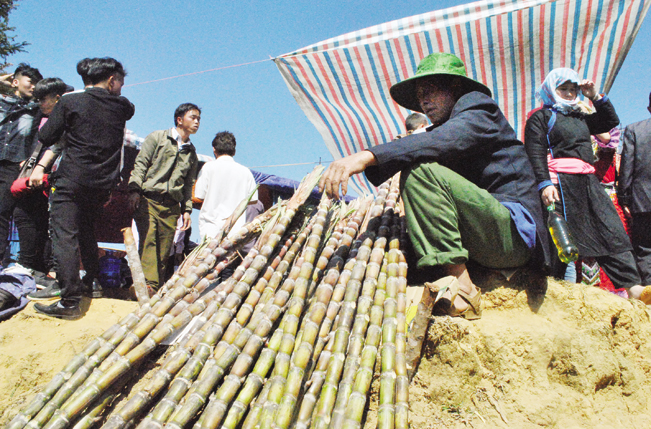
x=471, y=190
x=60, y=159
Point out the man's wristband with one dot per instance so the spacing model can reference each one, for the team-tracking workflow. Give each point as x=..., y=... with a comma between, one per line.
x=40, y=165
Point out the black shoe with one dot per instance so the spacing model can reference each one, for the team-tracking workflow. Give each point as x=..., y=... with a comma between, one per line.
x=7, y=300
x=91, y=290
x=43, y=281
x=59, y=310
x=46, y=294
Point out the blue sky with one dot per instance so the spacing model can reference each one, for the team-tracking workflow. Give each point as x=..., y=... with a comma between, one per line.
x=155, y=40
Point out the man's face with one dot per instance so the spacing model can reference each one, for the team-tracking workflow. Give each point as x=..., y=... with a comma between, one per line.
x=436, y=101
x=24, y=86
x=189, y=122
x=116, y=82
x=47, y=103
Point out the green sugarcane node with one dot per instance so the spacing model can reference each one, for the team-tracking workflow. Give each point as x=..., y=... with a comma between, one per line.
x=402, y=389
x=356, y=406
x=364, y=374
x=402, y=416
x=385, y=417
x=284, y=413
x=387, y=388
x=312, y=326
x=389, y=327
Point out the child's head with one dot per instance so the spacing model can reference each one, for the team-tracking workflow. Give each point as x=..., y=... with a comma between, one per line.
x=48, y=92
x=25, y=77
x=415, y=121
x=105, y=71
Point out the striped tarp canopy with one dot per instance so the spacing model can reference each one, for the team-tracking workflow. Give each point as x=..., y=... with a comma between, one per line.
x=342, y=84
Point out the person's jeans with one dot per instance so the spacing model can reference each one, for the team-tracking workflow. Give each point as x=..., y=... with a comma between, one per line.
x=31, y=218
x=8, y=173
x=73, y=210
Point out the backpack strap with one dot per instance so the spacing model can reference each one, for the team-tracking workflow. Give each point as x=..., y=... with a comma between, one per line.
x=550, y=125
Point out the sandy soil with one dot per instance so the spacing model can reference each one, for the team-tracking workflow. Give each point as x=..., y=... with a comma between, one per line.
x=34, y=347
x=573, y=357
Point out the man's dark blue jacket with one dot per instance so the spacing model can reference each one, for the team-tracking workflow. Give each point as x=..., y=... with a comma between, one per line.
x=478, y=143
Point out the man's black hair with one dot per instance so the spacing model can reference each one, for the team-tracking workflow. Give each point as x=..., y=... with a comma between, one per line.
x=650, y=100
x=82, y=70
x=183, y=109
x=96, y=70
x=224, y=143
x=25, y=69
x=49, y=86
x=415, y=120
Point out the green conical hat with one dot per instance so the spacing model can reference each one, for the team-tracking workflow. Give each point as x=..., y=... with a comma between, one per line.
x=404, y=93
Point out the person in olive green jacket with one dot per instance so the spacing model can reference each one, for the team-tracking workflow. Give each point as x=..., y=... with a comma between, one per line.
x=161, y=189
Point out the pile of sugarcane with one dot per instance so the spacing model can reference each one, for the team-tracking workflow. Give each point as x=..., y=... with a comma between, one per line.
x=292, y=339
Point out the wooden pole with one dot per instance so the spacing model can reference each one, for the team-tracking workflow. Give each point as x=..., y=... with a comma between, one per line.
x=139, y=283
x=418, y=331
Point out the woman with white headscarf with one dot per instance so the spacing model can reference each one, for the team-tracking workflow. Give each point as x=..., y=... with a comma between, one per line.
x=557, y=140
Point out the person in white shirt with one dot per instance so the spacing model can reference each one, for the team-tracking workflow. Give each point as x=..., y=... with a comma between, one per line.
x=222, y=184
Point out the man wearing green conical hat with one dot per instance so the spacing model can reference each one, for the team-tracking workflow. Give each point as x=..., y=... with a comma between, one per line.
x=467, y=185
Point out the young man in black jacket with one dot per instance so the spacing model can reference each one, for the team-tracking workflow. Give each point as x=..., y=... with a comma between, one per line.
x=18, y=130
x=94, y=122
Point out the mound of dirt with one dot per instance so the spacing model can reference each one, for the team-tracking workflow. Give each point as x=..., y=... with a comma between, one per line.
x=545, y=354
x=34, y=347
x=579, y=357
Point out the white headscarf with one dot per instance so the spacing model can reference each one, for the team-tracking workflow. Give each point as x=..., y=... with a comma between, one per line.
x=547, y=91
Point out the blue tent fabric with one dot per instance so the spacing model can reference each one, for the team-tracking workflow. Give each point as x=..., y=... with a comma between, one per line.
x=19, y=285
x=284, y=184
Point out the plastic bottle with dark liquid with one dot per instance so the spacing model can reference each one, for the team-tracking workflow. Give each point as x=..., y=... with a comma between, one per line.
x=560, y=232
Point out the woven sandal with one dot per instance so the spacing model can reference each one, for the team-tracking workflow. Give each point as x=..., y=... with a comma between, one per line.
x=443, y=305
x=473, y=311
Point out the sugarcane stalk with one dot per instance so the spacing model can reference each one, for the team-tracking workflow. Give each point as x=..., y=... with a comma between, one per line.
x=357, y=401
x=303, y=352
x=255, y=380
x=205, y=385
x=277, y=277
x=261, y=325
x=138, y=276
x=354, y=228
x=157, y=305
x=296, y=306
x=73, y=407
x=179, y=386
x=356, y=405
x=126, y=344
x=162, y=377
x=364, y=304
x=93, y=414
x=402, y=377
x=217, y=408
x=314, y=386
x=386, y=408
x=328, y=395
x=252, y=386
x=43, y=397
